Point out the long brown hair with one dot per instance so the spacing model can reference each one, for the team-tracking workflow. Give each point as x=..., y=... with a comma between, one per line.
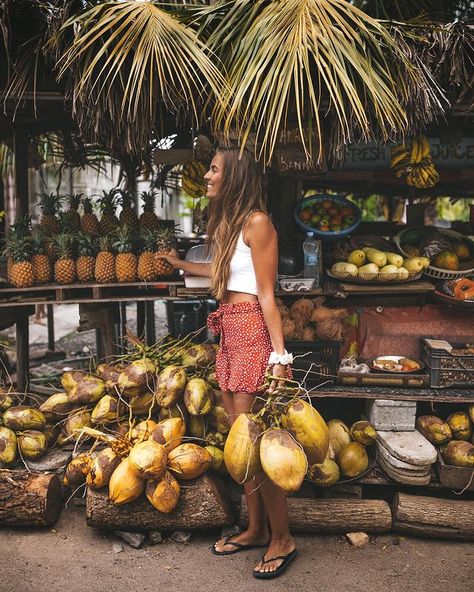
x=243, y=190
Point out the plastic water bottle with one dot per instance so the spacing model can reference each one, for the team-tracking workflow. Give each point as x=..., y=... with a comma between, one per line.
x=311, y=258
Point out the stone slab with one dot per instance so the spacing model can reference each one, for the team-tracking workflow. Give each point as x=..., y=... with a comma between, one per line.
x=54, y=460
x=403, y=466
x=387, y=415
x=410, y=447
x=403, y=478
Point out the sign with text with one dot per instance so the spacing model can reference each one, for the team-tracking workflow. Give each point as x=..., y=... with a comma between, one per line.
x=294, y=162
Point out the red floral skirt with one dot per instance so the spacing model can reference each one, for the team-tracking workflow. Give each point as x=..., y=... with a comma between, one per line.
x=245, y=346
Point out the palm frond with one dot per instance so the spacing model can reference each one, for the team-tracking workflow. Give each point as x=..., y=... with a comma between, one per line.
x=128, y=62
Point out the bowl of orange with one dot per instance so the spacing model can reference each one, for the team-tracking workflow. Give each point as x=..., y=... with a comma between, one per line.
x=328, y=216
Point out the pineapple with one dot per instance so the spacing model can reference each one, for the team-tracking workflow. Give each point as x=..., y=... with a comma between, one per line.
x=166, y=241
x=72, y=215
x=85, y=263
x=125, y=260
x=109, y=221
x=104, y=262
x=50, y=204
x=64, y=267
x=146, y=260
x=128, y=216
x=18, y=249
x=20, y=229
x=89, y=221
x=40, y=259
x=148, y=219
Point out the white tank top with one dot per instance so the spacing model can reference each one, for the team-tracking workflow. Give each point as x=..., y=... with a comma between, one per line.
x=242, y=273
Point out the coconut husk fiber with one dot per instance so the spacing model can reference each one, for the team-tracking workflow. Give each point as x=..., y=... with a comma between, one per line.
x=301, y=311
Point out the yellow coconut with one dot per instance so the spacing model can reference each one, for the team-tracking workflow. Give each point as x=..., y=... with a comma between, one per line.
x=148, y=458
x=309, y=429
x=178, y=410
x=219, y=419
x=283, y=460
x=324, y=474
x=470, y=411
x=141, y=404
x=364, y=433
x=434, y=429
x=201, y=355
x=51, y=433
x=31, y=444
x=23, y=417
x=6, y=400
x=125, y=484
x=101, y=468
x=188, y=461
x=242, y=447
x=76, y=470
x=460, y=424
x=198, y=396
x=215, y=439
x=217, y=460
x=169, y=433
x=106, y=410
x=339, y=435
x=87, y=389
x=459, y=453
x=76, y=422
x=170, y=386
x=137, y=378
x=163, y=493
x=8, y=445
x=353, y=459
x=198, y=426
x=142, y=431
x=56, y=406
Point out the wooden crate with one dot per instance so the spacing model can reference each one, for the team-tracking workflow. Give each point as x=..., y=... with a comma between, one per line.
x=457, y=478
x=394, y=380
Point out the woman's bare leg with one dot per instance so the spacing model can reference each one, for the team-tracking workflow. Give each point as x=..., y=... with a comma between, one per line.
x=257, y=530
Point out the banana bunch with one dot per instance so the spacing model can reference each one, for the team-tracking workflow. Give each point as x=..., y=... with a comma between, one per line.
x=415, y=162
x=192, y=180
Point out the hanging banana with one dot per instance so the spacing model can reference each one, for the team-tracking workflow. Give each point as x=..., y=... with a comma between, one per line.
x=414, y=161
x=192, y=180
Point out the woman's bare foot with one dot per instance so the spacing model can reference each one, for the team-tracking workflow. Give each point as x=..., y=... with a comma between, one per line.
x=246, y=537
x=277, y=548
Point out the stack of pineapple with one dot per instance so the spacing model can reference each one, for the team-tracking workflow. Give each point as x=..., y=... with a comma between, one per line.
x=66, y=247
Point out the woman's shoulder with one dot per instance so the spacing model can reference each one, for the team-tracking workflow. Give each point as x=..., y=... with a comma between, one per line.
x=258, y=223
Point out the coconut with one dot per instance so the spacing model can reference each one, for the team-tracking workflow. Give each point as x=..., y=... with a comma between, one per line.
x=32, y=444
x=331, y=455
x=308, y=427
x=125, y=484
x=198, y=396
x=470, y=411
x=217, y=460
x=86, y=390
x=51, y=433
x=71, y=379
x=76, y=422
x=289, y=329
x=198, y=426
x=8, y=445
x=188, y=461
x=434, y=429
x=364, y=433
x=324, y=474
x=301, y=311
x=460, y=425
x=163, y=493
x=109, y=374
x=142, y=404
x=284, y=311
x=353, y=459
x=219, y=419
x=459, y=453
x=56, y=406
x=106, y=410
x=339, y=435
x=283, y=460
x=6, y=400
x=242, y=447
x=169, y=433
x=215, y=439
x=77, y=470
x=23, y=417
x=148, y=458
x=201, y=355
x=101, y=468
x=212, y=379
x=308, y=333
x=142, y=431
x=137, y=378
x=170, y=386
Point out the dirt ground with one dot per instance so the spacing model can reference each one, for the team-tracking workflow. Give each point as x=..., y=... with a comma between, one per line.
x=76, y=558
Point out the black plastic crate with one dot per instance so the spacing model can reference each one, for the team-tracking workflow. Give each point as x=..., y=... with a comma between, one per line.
x=448, y=369
x=187, y=316
x=319, y=365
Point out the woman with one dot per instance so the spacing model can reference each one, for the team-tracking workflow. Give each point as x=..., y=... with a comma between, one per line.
x=244, y=250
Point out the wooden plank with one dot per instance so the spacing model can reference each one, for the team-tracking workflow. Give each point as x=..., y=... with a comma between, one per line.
x=395, y=394
x=410, y=287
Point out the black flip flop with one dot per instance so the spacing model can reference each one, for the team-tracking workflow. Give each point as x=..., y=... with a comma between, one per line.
x=268, y=575
x=238, y=546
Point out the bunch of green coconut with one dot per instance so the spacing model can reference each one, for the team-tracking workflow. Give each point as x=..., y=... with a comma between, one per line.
x=289, y=440
x=25, y=431
x=161, y=418
x=454, y=436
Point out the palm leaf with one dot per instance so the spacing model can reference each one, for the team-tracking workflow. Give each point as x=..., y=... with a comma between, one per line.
x=129, y=61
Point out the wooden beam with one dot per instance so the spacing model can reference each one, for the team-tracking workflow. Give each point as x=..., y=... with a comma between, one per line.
x=20, y=142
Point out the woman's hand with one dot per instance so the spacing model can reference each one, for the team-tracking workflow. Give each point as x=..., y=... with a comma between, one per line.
x=172, y=257
x=281, y=371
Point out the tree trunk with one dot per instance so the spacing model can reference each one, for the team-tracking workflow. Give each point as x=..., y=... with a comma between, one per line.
x=29, y=499
x=203, y=503
x=334, y=515
x=433, y=517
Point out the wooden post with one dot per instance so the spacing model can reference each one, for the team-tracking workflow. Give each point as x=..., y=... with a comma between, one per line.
x=433, y=517
x=20, y=141
x=50, y=319
x=22, y=351
x=140, y=319
x=29, y=499
x=150, y=322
